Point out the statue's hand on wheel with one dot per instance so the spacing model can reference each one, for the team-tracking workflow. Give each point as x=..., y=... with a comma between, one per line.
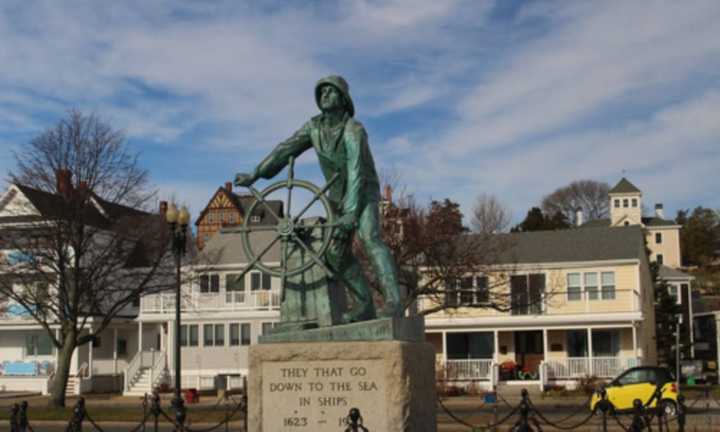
x=244, y=179
x=345, y=226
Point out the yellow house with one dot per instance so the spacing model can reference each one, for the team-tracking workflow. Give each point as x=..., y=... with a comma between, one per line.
x=582, y=306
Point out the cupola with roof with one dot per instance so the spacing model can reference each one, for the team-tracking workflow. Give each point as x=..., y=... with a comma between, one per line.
x=625, y=204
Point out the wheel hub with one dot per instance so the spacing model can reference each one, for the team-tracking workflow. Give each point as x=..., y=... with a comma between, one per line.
x=285, y=227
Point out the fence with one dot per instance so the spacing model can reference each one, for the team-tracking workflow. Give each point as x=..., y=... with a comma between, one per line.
x=523, y=417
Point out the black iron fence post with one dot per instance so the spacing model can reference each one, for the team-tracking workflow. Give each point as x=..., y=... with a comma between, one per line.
x=14, y=418
x=244, y=402
x=145, y=412
x=681, y=412
x=523, y=424
x=155, y=409
x=22, y=417
x=78, y=416
x=638, y=421
x=604, y=406
x=659, y=407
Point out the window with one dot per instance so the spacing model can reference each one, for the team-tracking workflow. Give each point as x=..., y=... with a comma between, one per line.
x=617, y=203
x=208, y=335
x=239, y=334
x=210, y=283
x=37, y=345
x=673, y=292
x=625, y=203
x=606, y=343
x=189, y=335
x=245, y=334
x=608, y=285
x=577, y=343
x=194, y=336
x=574, y=290
x=658, y=238
x=234, y=288
x=482, y=292
x=526, y=293
x=219, y=334
x=259, y=281
x=591, y=286
x=466, y=290
x=452, y=296
x=255, y=218
x=634, y=202
x=659, y=259
x=234, y=334
x=96, y=342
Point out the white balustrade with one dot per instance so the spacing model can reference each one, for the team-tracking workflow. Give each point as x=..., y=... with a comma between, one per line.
x=164, y=303
x=578, y=367
x=468, y=369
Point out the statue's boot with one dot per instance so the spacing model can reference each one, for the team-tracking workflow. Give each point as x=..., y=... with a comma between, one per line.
x=387, y=276
x=359, y=290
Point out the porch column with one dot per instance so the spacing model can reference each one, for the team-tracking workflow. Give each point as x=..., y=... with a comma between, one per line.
x=496, y=349
x=115, y=342
x=140, y=332
x=161, y=329
x=444, y=344
x=90, y=358
x=590, y=352
x=634, y=336
x=170, y=346
x=545, y=344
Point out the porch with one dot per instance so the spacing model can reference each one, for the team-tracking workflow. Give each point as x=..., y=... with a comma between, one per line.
x=540, y=355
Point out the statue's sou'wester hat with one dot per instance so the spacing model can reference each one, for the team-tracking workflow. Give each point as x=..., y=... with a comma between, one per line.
x=339, y=83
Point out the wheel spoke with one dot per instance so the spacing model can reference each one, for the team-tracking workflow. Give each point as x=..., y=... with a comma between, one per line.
x=316, y=197
x=255, y=228
x=257, y=258
x=313, y=255
x=283, y=268
x=260, y=199
x=291, y=177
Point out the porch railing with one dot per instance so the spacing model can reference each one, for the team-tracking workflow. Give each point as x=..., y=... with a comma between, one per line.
x=578, y=367
x=228, y=301
x=467, y=369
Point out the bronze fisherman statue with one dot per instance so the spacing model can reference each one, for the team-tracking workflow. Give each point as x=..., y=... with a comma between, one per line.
x=341, y=144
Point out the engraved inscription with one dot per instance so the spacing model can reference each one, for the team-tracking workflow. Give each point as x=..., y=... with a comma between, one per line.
x=317, y=395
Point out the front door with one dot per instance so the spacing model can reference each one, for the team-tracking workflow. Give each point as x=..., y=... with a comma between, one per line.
x=529, y=353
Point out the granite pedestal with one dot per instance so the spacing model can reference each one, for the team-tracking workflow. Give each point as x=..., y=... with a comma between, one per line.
x=311, y=386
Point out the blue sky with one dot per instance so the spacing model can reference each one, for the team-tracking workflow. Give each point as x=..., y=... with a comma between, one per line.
x=459, y=97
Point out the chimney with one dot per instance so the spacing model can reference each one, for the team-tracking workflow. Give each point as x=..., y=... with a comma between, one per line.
x=64, y=182
x=163, y=208
x=659, y=211
x=388, y=194
x=579, y=216
x=83, y=187
x=228, y=186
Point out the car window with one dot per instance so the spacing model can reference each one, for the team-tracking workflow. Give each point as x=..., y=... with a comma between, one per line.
x=634, y=377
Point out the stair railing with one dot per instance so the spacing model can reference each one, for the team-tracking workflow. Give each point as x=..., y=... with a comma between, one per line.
x=157, y=368
x=132, y=370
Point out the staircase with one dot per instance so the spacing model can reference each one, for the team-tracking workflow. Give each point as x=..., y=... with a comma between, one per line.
x=145, y=372
x=145, y=381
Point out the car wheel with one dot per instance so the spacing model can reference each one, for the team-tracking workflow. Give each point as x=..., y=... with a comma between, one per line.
x=669, y=407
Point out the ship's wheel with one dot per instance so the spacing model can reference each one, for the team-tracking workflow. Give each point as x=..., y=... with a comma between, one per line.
x=289, y=230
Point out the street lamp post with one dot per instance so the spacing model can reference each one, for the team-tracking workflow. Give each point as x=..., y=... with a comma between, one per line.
x=178, y=223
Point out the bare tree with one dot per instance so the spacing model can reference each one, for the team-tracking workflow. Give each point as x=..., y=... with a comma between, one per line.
x=93, y=251
x=489, y=215
x=589, y=195
x=438, y=259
